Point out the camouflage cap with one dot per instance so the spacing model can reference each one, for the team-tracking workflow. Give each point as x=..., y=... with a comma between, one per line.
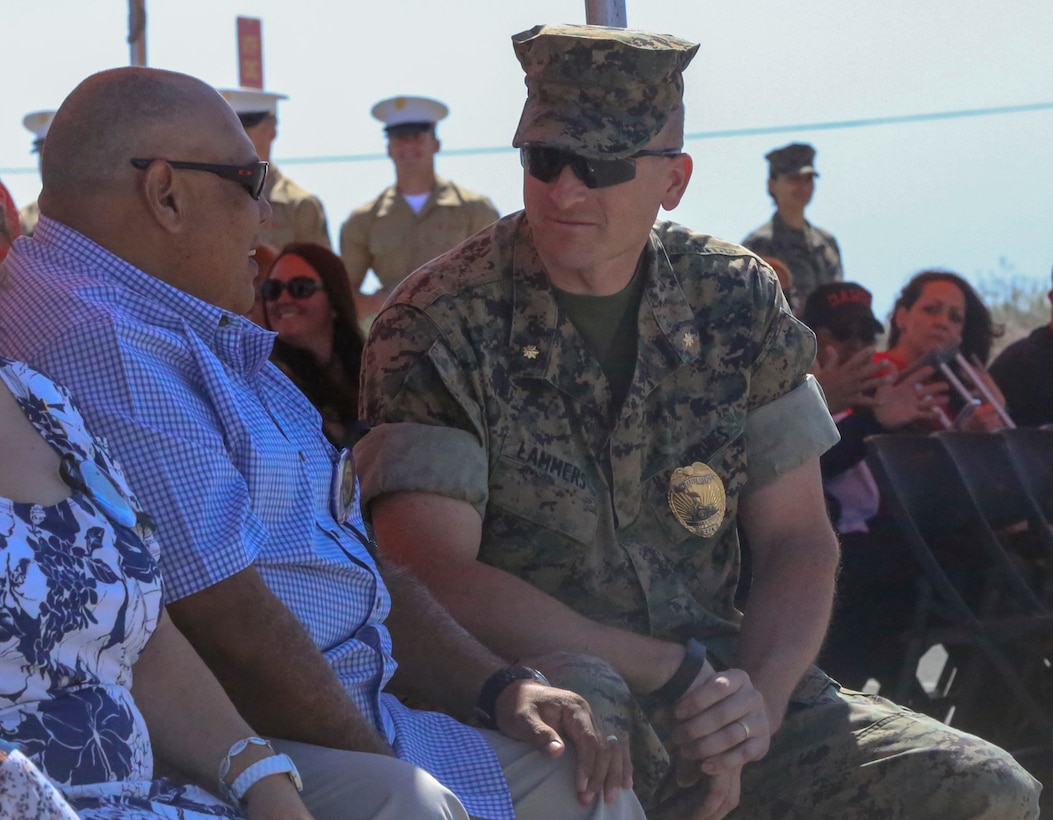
x=598, y=91
x=795, y=158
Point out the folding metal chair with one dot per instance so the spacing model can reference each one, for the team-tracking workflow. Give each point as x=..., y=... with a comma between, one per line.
x=1000, y=486
x=973, y=599
x=1031, y=449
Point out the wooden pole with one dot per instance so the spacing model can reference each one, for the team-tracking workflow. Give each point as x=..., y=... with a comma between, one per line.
x=137, y=31
x=605, y=13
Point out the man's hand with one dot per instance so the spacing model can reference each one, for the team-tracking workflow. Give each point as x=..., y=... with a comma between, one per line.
x=725, y=789
x=722, y=721
x=538, y=714
x=850, y=383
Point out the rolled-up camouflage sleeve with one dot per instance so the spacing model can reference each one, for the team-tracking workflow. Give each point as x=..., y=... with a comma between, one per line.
x=788, y=422
x=428, y=433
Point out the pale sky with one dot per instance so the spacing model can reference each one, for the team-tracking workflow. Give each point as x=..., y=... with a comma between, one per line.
x=963, y=193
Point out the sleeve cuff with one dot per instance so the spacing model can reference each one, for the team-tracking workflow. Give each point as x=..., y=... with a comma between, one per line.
x=787, y=432
x=409, y=457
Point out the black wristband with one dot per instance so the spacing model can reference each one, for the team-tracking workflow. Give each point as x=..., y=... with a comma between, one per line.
x=486, y=706
x=674, y=688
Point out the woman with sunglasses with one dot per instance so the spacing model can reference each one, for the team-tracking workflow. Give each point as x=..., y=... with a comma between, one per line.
x=307, y=301
x=80, y=612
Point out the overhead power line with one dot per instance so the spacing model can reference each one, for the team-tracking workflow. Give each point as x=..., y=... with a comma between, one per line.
x=865, y=122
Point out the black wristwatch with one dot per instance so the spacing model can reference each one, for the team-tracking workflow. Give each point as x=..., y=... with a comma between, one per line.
x=486, y=706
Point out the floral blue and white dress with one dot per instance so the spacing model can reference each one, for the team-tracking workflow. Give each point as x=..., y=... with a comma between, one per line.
x=79, y=597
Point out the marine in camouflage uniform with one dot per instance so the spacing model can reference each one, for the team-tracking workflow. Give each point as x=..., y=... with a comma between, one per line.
x=811, y=253
x=484, y=391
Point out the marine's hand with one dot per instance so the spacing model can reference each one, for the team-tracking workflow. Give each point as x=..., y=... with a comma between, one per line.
x=722, y=722
x=543, y=715
x=725, y=789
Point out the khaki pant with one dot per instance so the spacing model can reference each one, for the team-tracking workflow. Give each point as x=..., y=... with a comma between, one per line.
x=340, y=785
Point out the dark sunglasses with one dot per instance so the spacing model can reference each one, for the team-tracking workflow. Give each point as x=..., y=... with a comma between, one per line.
x=299, y=287
x=546, y=164
x=252, y=176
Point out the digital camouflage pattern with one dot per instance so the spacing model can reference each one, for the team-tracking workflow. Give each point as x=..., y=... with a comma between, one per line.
x=597, y=91
x=483, y=391
x=811, y=254
x=471, y=364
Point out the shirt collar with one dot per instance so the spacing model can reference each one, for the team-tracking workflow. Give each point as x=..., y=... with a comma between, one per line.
x=233, y=337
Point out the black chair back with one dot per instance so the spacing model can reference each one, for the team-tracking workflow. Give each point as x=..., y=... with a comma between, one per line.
x=975, y=599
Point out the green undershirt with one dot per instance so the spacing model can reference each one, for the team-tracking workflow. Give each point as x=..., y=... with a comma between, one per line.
x=609, y=326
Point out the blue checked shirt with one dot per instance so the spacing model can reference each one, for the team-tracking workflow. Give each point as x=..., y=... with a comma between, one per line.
x=229, y=458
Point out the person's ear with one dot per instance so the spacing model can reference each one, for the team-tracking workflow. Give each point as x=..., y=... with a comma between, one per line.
x=680, y=169
x=164, y=196
x=897, y=318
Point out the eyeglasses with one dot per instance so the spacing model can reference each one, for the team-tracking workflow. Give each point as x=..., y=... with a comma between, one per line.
x=546, y=164
x=299, y=287
x=252, y=176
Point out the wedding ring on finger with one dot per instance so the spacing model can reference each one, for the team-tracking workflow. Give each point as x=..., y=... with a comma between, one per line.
x=745, y=730
x=612, y=738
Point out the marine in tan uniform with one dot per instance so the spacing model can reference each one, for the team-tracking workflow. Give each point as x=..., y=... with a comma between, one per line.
x=37, y=123
x=419, y=217
x=298, y=215
x=576, y=411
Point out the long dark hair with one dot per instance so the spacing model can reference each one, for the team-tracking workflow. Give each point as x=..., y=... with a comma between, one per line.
x=310, y=373
x=979, y=330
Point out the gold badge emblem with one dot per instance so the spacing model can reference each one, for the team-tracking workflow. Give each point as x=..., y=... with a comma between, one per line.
x=697, y=499
x=530, y=352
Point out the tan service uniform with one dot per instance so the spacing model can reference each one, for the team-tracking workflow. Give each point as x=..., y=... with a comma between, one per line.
x=298, y=214
x=28, y=215
x=385, y=235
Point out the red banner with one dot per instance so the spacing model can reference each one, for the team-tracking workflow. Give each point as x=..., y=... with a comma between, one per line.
x=250, y=52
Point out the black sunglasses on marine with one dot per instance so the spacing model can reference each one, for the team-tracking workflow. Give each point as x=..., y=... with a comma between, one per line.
x=299, y=287
x=252, y=176
x=546, y=164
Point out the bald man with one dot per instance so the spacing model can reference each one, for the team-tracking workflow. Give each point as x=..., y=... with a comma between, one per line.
x=131, y=293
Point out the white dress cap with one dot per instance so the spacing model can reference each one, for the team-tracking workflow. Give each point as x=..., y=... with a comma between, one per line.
x=38, y=123
x=409, y=111
x=252, y=100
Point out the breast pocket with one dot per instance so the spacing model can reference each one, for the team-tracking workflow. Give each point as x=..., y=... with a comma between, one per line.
x=725, y=457
x=546, y=491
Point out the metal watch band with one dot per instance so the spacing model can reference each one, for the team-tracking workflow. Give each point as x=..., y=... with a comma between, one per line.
x=674, y=688
x=486, y=706
x=275, y=764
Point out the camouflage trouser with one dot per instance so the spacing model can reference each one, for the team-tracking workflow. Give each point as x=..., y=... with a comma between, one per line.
x=839, y=754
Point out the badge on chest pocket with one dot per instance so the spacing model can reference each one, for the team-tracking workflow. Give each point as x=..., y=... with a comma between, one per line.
x=697, y=498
